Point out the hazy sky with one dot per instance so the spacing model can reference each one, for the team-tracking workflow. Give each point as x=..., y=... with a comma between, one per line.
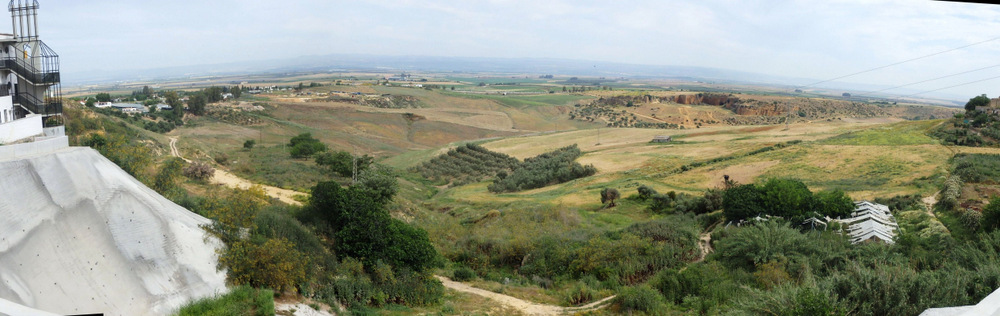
x=811, y=39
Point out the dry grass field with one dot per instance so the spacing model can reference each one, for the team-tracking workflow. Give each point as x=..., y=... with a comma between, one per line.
x=865, y=159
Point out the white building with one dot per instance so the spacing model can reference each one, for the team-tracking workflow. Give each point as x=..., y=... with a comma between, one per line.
x=29, y=77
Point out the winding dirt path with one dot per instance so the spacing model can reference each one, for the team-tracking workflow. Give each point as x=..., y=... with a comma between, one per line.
x=230, y=180
x=929, y=202
x=705, y=245
x=526, y=307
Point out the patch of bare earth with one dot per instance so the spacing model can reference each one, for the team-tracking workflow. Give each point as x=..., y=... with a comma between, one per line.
x=526, y=307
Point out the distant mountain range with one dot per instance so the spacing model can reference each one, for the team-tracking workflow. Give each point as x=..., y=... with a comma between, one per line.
x=565, y=67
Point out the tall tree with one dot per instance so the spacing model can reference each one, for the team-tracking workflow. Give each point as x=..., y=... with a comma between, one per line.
x=981, y=100
x=196, y=104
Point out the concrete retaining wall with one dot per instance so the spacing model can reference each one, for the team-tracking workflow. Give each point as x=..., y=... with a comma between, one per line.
x=21, y=129
x=9, y=152
x=54, y=131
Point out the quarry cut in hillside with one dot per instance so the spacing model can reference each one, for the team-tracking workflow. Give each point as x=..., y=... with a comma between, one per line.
x=78, y=235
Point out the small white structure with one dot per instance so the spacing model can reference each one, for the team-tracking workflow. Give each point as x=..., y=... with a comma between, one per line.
x=871, y=222
x=130, y=107
x=988, y=306
x=103, y=105
x=662, y=139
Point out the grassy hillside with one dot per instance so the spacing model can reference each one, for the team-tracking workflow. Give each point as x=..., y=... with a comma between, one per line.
x=559, y=244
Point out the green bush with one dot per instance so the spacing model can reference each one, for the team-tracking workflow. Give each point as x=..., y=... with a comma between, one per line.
x=708, y=280
x=641, y=298
x=304, y=145
x=241, y=300
x=627, y=259
x=789, y=301
x=646, y=192
x=363, y=228
x=463, y=274
x=977, y=168
x=578, y=294
x=991, y=215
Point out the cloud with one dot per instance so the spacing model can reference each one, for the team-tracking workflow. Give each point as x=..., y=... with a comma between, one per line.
x=815, y=39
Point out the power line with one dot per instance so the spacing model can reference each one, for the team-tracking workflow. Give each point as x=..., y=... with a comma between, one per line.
x=901, y=62
x=932, y=79
x=958, y=85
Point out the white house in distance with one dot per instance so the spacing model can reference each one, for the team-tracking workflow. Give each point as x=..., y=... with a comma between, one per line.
x=29, y=77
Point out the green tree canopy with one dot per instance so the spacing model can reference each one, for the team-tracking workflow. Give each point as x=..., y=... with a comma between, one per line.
x=363, y=228
x=980, y=100
x=196, y=104
x=304, y=145
x=742, y=202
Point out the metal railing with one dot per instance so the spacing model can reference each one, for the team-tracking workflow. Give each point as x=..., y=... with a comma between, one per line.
x=33, y=104
x=29, y=72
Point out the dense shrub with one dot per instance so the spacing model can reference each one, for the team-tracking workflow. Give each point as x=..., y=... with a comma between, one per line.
x=609, y=195
x=364, y=230
x=355, y=287
x=131, y=156
x=641, y=298
x=272, y=263
x=977, y=168
x=786, y=198
x=789, y=300
x=971, y=219
x=463, y=274
x=991, y=215
x=708, y=280
x=166, y=178
x=626, y=259
x=343, y=163
x=199, y=171
x=549, y=168
x=750, y=246
x=676, y=230
x=950, y=193
x=304, y=145
x=241, y=300
x=646, y=192
x=902, y=202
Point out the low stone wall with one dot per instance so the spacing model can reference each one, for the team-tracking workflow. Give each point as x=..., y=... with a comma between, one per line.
x=8, y=152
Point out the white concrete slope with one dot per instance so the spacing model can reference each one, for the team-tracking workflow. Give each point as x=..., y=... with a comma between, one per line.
x=78, y=235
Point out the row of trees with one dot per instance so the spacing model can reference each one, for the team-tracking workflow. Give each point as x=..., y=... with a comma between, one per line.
x=465, y=164
x=786, y=198
x=549, y=168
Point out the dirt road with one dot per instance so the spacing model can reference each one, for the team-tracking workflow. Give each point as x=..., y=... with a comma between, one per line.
x=526, y=307
x=230, y=180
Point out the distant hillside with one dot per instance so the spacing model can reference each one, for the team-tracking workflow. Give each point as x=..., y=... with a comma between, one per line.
x=659, y=110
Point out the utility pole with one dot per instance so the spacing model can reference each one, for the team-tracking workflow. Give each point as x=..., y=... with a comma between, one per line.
x=354, y=163
x=788, y=114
